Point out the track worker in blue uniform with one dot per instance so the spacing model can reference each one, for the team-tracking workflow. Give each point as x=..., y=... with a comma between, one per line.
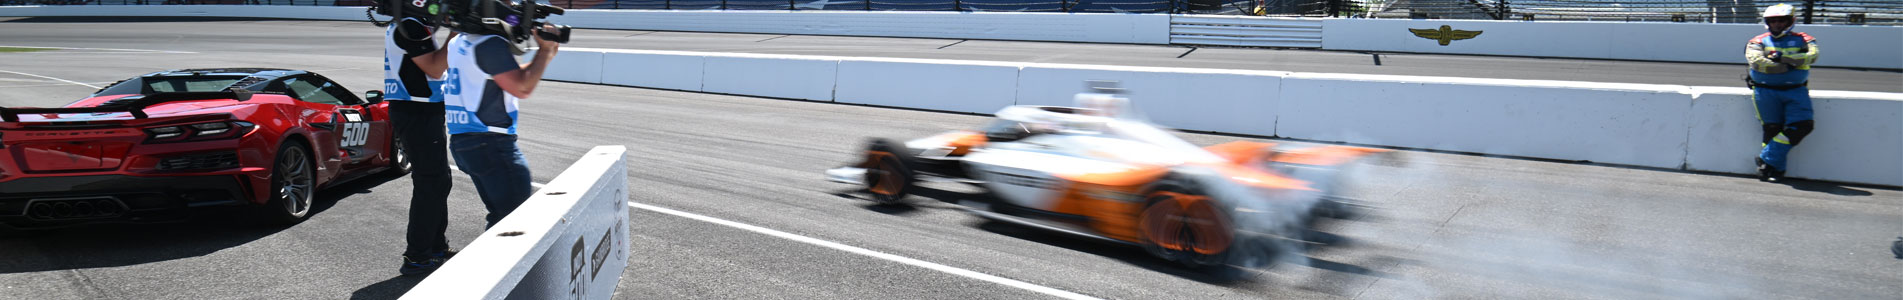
x=485, y=83
x=412, y=73
x=1780, y=71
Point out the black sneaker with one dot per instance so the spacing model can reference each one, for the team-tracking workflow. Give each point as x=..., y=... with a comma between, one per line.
x=1764, y=171
x=445, y=254
x=415, y=267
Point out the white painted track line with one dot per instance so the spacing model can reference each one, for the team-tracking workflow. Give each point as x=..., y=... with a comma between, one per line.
x=114, y=50
x=856, y=250
x=874, y=254
x=56, y=79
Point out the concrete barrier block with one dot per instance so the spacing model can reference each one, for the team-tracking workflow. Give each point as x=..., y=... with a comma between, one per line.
x=1858, y=136
x=653, y=70
x=569, y=241
x=923, y=84
x=1845, y=45
x=574, y=66
x=1232, y=101
x=1641, y=125
x=779, y=76
x=1096, y=28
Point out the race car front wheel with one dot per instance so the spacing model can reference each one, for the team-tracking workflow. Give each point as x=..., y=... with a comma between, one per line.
x=293, y=183
x=888, y=178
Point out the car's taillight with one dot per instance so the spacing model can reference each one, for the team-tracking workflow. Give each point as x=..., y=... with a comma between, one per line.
x=198, y=132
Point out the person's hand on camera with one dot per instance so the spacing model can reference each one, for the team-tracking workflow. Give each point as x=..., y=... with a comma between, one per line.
x=1774, y=55
x=545, y=43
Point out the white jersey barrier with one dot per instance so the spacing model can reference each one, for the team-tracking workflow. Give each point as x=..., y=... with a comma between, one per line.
x=977, y=87
x=569, y=241
x=1859, y=136
x=1628, y=124
x=1663, y=126
x=1854, y=46
x=1840, y=45
x=1062, y=27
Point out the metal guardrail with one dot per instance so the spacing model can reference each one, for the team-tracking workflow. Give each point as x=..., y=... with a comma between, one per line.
x=1861, y=12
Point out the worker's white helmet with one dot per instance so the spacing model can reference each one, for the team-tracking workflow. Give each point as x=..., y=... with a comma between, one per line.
x=1782, y=12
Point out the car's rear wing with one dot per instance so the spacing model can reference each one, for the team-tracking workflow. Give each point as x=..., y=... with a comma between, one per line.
x=131, y=104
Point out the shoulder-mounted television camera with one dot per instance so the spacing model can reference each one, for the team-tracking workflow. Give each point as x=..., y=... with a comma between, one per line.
x=511, y=19
x=424, y=10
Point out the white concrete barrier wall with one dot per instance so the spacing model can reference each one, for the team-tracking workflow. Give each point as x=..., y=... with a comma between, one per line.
x=1062, y=27
x=779, y=76
x=1840, y=45
x=1095, y=28
x=1859, y=136
x=1641, y=125
x=1843, y=45
x=344, y=13
x=582, y=66
x=1662, y=126
x=1231, y=101
x=659, y=70
x=568, y=241
x=928, y=84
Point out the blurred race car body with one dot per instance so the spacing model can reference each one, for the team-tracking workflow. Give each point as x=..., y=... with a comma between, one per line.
x=1090, y=172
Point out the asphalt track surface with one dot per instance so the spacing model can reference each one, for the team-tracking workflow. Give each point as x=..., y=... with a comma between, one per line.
x=1449, y=226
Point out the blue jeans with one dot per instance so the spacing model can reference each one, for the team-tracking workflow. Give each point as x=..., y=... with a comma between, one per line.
x=496, y=166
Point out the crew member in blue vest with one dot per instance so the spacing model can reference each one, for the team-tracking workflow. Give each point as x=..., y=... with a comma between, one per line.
x=412, y=73
x=480, y=101
x=1780, y=70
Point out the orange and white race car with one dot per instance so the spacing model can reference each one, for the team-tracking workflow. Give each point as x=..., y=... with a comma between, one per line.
x=1090, y=172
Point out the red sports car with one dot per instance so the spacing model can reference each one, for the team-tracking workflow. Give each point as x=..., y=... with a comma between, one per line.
x=152, y=147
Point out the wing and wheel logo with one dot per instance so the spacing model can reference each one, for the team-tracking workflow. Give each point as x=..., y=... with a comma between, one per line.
x=1445, y=34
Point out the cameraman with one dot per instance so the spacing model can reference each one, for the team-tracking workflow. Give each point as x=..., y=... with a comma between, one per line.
x=485, y=82
x=412, y=73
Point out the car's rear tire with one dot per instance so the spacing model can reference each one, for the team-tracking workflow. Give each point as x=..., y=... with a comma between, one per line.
x=1181, y=223
x=293, y=185
x=399, y=157
x=889, y=177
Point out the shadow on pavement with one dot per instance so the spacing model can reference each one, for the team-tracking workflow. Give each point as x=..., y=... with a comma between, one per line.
x=1826, y=187
x=387, y=289
x=115, y=245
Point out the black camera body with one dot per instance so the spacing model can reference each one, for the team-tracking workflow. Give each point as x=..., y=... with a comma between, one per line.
x=512, y=19
x=425, y=10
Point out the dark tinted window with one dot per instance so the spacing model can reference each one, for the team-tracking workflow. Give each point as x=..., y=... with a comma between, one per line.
x=153, y=85
x=318, y=90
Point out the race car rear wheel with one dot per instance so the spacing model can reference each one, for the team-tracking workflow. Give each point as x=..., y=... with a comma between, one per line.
x=1181, y=223
x=293, y=184
x=888, y=177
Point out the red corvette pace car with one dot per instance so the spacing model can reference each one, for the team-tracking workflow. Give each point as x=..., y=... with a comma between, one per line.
x=156, y=146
